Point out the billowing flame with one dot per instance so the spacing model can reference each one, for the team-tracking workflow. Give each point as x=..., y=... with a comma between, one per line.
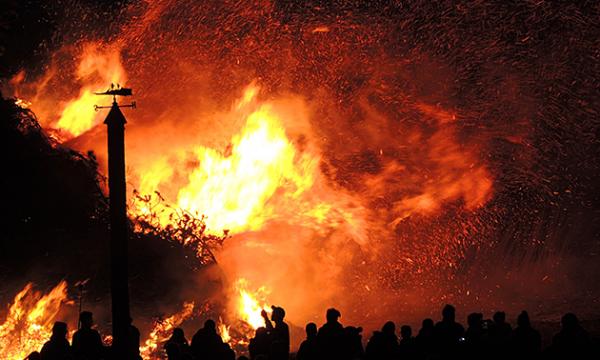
x=28, y=324
x=99, y=65
x=234, y=188
x=97, y=68
x=152, y=347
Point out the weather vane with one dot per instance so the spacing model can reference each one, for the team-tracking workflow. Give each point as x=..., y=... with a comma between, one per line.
x=116, y=90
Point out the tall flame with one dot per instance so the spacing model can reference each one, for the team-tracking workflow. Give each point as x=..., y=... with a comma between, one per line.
x=234, y=189
x=29, y=321
x=239, y=188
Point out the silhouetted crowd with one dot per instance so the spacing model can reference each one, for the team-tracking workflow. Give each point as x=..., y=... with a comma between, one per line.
x=446, y=339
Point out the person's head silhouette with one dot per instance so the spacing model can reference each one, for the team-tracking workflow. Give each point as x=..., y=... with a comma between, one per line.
x=500, y=317
x=178, y=334
x=449, y=313
x=86, y=319
x=427, y=324
x=332, y=315
x=475, y=320
x=278, y=314
x=59, y=330
x=389, y=328
x=311, y=330
x=260, y=332
x=569, y=321
x=405, y=332
x=210, y=325
x=523, y=319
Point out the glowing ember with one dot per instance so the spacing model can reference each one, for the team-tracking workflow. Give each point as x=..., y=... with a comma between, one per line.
x=24, y=104
x=107, y=340
x=29, y=321
x=152, y=347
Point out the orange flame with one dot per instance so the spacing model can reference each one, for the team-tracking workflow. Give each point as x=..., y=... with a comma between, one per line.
x=245, y=309
x=223, y=330
x=162, y=331
x=99, y=65
x=237, y=188
x=22, y=103
x=98, y=68
x=251, y=304
x=29, y=321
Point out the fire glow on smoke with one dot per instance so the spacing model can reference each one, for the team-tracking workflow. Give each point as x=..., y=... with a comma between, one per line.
x=259, y=169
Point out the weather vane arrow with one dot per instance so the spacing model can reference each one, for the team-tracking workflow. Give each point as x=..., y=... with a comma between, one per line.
x=114, y=91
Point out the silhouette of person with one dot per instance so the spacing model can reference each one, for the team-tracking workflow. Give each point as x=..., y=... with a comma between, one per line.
x=133, y=348
x=226, y=352
x=206, y=343
x=353, y=341
x=177, y=346
x=572, y=341
x=499, y=333
x=407, y=347
x=309, y=348
x=383, y=344
x=34, y=356
x=260, y=344
x=87, y=344
x=57, y=348
x=474, y=336
x=448, y=332
x=172, y=350
x=330, y=336
x=426, y=339
x=279, y=334
x=526, y=341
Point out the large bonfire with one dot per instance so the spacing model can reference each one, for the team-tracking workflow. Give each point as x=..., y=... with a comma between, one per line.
x=314, y=156
x=263, y=176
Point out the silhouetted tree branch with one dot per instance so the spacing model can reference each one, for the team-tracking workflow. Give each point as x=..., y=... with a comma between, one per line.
x=182, y=226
